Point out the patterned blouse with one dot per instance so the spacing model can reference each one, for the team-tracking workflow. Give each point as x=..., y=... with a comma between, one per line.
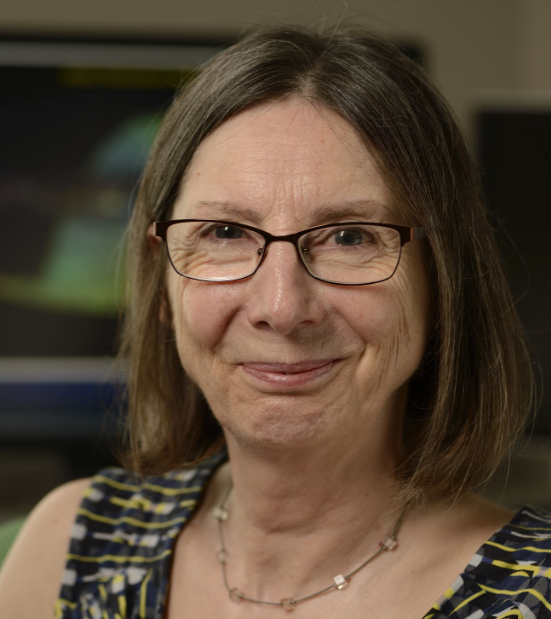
x=120, y=554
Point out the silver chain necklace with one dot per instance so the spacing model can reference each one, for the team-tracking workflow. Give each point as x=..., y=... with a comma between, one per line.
x=288, y=604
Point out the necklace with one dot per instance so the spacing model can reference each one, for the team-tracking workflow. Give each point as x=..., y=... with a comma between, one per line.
x=288, y=604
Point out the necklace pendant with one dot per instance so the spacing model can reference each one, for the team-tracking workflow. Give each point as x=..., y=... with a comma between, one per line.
x=341, y=582
x=288, y=604
x=389, y=543
x=236, y=595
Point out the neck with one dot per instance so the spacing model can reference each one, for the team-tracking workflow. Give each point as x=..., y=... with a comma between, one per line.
x=298, y=517
x=298, y=491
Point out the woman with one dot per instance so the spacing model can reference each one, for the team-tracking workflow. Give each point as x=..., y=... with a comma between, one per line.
x=390, y=308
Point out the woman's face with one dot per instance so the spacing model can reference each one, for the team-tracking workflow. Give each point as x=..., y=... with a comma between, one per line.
x=282, y=358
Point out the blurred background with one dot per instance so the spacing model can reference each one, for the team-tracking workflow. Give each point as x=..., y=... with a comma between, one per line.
x=83, y=89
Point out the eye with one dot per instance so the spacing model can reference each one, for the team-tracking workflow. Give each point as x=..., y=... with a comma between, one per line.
x=349, y=237
x=228, y=232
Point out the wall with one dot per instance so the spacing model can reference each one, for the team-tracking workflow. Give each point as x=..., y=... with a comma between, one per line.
x=535, y=45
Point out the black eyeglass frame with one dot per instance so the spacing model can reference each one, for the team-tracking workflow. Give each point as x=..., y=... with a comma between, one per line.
x=406, y=235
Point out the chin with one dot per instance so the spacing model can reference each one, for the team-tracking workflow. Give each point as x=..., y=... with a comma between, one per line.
x=277, y=426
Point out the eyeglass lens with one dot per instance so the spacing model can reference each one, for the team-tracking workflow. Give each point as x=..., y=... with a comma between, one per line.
x=345, y=254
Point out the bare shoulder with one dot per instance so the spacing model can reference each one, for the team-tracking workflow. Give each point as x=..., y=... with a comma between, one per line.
x=469, y=522
x=30, y=578
x=483, y=517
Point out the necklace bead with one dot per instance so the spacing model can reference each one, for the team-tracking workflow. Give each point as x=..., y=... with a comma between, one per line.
x=341, y=582
x=288, y=604
x=236, y=595
x=389, y=543
x=220, y=512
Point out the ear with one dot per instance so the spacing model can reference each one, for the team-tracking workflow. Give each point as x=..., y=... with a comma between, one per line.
x=155, y=243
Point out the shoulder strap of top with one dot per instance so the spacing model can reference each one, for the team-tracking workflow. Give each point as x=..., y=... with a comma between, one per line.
x=122, y=542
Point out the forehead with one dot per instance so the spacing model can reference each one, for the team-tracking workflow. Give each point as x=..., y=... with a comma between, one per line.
x=289, y=160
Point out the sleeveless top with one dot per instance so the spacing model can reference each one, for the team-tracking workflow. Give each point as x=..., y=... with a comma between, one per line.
x=119, y=559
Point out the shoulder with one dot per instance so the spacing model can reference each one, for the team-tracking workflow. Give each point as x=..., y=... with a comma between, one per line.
x=123, y=538
x=94, y=532
x=36, y=561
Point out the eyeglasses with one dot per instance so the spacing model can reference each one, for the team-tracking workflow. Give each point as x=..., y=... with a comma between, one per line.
x=349, y=253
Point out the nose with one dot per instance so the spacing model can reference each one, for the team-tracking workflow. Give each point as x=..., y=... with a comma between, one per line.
x=282, y=293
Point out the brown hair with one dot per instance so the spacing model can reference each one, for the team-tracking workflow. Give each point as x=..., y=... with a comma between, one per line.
x=471, y=397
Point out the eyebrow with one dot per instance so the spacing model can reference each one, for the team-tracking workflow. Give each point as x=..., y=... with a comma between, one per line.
x=357, y=209
x=233, y=210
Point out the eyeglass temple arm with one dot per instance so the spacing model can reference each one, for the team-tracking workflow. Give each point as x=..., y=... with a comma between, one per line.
x=159, y=229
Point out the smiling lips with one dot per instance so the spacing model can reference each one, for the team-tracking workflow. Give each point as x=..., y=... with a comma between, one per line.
x=289, y=374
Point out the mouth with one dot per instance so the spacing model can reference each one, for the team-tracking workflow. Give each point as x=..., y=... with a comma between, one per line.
x=289, y=375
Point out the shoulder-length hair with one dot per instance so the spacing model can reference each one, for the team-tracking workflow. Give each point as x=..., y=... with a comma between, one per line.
x=471, y=396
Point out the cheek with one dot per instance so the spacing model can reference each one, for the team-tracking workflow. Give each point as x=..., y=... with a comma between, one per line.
x=373, y=313
x=391, y=321
x=201, y=312
x=412, y=323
